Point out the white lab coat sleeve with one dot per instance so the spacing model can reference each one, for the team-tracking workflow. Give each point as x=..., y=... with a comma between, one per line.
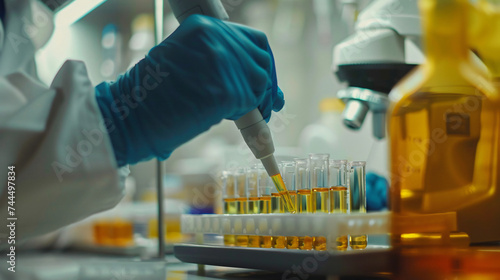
x=64, y=163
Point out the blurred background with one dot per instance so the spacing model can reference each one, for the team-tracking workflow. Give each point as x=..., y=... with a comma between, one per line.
x=111, y=36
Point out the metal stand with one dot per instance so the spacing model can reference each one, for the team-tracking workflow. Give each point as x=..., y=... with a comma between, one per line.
x=158, y=10
x=161, y=220
x=201, y=267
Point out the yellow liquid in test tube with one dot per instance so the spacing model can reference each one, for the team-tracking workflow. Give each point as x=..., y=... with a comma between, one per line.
x=229, y=239
x=253, y=205
x=338, y=199
x=279, y=242
x=292, y=242
x=304, y=204
x=254, y=208
x=285, y=195
x=265, y=204
x=254, y=241
x=242, y=240
x=357, y=185
x=242, y=206
x=265, y=208
x=320, y=197
x=229, y=203
x=293, y=196
x=305, y=243
x=304, y=201
x=277, y=207
x=230, y=207
x=266, y=242
x=338, y=204
x=358, y=241
x=320, y=200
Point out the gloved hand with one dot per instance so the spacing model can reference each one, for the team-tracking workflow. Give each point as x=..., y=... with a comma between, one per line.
x=206, y=71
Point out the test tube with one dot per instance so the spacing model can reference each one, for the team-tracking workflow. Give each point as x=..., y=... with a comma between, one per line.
x=304, y=203
x=319, y=182
x=288, y=171
x=277, y=206
x=228, y=193
x=265, y=185
x=318, y=174
x=241, y=201
x=241, y=190
x=252, y=190
x=229, y=202
x=338, y=196
x=253, y=201
x=357, y=203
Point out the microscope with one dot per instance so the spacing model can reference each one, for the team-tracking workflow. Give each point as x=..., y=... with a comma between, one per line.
x=384, y=48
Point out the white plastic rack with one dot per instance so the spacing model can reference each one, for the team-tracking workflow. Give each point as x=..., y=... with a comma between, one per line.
x=315, y=224
x=288, y=224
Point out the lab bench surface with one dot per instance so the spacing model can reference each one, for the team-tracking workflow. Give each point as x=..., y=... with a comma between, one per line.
x=83, y=266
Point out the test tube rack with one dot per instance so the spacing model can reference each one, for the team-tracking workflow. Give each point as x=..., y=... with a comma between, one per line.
x=314, y=224
x=374, y=259
x=287, y=224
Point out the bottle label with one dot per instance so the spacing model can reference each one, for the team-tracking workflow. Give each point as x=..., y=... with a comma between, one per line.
x=458, y=124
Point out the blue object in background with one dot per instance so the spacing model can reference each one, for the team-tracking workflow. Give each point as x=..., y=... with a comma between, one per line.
x=202, y=210
x=376, y=192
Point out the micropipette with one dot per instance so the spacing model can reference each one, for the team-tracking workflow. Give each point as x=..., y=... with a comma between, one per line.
x=252, y=126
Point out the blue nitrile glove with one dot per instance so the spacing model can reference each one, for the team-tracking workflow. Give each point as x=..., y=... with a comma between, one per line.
x=376, y=192
x=2, y=11
x=206, y=71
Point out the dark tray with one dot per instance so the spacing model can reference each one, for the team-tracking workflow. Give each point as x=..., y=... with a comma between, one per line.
x=371, y=261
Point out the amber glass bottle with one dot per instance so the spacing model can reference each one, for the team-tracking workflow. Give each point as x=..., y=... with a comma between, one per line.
x=444, y=127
